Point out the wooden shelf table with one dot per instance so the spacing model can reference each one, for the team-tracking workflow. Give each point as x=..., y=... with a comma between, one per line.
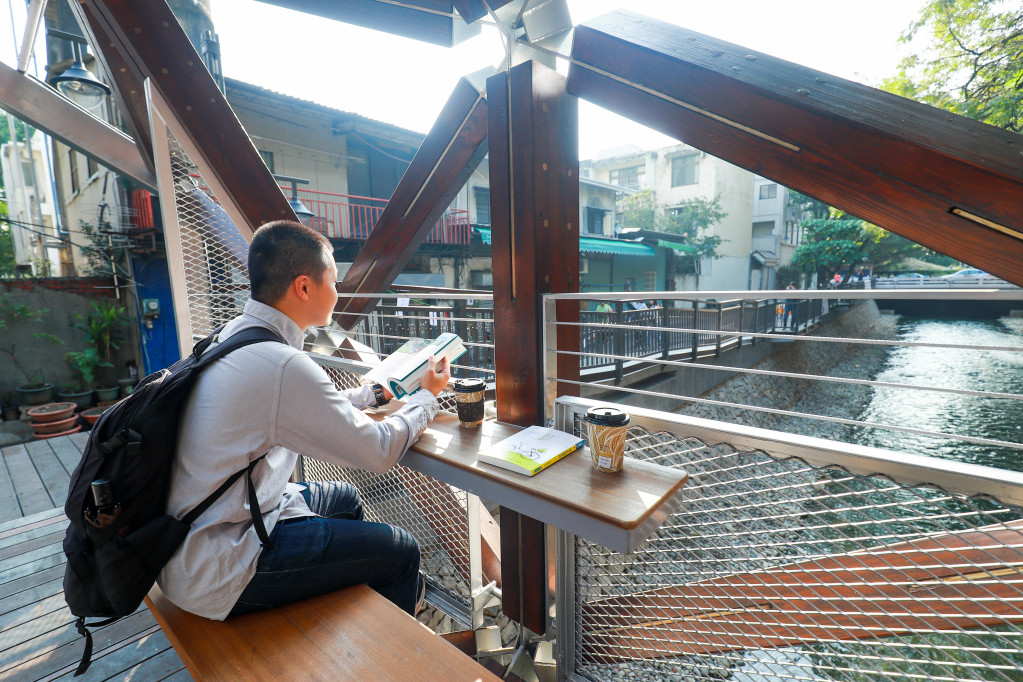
x=618, y=511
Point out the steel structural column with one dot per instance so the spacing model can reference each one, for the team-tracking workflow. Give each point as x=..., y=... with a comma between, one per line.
x=534, y=191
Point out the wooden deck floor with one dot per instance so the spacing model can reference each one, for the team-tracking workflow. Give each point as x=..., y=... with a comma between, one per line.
x=38, y=640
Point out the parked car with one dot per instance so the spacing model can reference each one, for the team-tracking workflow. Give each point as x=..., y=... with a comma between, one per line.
x=971, y=273
x=913, y=275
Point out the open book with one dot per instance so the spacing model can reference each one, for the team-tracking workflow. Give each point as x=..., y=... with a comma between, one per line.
x=531, y=450
x=402, y=371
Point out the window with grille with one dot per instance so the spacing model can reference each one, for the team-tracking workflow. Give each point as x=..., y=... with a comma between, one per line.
x=650, y=280
x=595, y=220
x=768, y=191
x=685, y=170
x=482, y=195
x=630, y=178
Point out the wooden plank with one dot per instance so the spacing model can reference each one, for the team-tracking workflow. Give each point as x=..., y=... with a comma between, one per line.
x=182, y=676
x=32, y=580
x=31, y=595
x=79, y=440
x=943, y=582
x=32, y=495
x=61, y=646
x=899, y=164
x=24, y=614
x=10, y=509
x=354, y=630
x=33, y=531
x=153, y=45
x=16, y=526
x=534, y=194
x=149, y=657
x=51, y=535
x=450, y=153
x=50, y=470
x=66, y=451
x=42, y=562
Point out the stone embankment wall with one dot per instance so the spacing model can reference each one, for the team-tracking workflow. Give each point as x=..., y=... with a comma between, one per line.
x=804, y=356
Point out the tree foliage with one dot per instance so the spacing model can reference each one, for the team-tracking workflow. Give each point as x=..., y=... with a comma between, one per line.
x=972, y=63
x=831, y=243
x=690, y=219
x=7, y=261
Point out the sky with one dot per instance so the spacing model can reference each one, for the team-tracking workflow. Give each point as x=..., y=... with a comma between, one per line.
x=406, y=83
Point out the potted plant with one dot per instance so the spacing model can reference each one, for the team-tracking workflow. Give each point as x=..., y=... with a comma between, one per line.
x=84, y=364
x=103, y=332
x=36, y=390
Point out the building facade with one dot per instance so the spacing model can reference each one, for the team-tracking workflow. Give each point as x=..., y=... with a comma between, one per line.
x=680, y=173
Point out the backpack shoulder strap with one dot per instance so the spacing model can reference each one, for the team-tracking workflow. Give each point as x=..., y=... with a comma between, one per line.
x=243, y=338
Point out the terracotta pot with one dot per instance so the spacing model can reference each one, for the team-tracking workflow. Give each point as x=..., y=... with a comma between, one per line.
x=51, y=412
x=76, y=429
x=93, y=414
x=46, y=428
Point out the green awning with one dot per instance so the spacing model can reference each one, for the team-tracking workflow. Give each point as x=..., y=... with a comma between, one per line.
x=594, y=245
x=684, y=248
x=615, y=246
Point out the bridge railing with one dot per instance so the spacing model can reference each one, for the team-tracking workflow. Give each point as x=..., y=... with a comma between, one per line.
x=798, y=558
x=987, y=282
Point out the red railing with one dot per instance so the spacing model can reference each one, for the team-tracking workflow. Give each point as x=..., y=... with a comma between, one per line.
x=345, y=216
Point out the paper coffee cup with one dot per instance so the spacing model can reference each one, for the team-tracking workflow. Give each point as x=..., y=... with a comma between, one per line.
x=606, y=429
x=469, y=395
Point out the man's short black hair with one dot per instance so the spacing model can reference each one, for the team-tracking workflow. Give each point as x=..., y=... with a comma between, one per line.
x=281, y=251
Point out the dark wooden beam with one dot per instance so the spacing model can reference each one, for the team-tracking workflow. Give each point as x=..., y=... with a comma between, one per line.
x=149, y=42
x=534, y=195
x=431, y=21
x=942, y=180
x=447, y=158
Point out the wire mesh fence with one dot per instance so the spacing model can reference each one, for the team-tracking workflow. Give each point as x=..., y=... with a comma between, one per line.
x=779, y=569
x=436, y=514
x=213, y=251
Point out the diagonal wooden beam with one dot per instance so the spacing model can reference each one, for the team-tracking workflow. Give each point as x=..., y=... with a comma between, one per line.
x=42, y=107
x=150, y=43
x=473, y=10
x=431, y=21
x=450, y=153
x=947, y=582
x=942, y=180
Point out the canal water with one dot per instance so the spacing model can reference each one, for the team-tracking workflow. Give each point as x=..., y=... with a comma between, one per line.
x=982, y=370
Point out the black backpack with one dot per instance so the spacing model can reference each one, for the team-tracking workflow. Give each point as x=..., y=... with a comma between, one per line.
x=120, y=535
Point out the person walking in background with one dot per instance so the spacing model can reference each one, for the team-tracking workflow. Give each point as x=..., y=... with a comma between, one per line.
x=789, y=315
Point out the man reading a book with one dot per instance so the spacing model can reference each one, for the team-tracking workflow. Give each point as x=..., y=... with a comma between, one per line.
x=271, y=399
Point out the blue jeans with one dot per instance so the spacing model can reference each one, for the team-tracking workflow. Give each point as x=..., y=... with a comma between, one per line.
x=319, y=554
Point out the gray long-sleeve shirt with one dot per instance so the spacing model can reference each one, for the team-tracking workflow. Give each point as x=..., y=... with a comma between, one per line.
x=270, y=398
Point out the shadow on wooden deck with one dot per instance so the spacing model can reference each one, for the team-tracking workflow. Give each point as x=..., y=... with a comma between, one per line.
x=38, y=640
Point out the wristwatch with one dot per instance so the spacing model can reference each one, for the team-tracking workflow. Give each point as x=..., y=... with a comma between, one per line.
x=378, y=391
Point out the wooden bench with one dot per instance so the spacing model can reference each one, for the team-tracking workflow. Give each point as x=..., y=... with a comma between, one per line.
x=351, y=634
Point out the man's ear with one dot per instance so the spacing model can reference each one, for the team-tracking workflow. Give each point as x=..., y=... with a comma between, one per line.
x=300, y=285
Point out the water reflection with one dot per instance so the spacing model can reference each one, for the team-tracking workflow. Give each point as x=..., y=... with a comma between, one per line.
x=983, y=370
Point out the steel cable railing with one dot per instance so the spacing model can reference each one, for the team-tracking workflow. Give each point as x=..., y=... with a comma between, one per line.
x=780, y=567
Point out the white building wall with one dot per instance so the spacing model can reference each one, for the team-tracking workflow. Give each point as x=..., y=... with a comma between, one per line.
x=30, y=202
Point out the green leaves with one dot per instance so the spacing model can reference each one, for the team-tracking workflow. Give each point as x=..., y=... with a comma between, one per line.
x=971, y=62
